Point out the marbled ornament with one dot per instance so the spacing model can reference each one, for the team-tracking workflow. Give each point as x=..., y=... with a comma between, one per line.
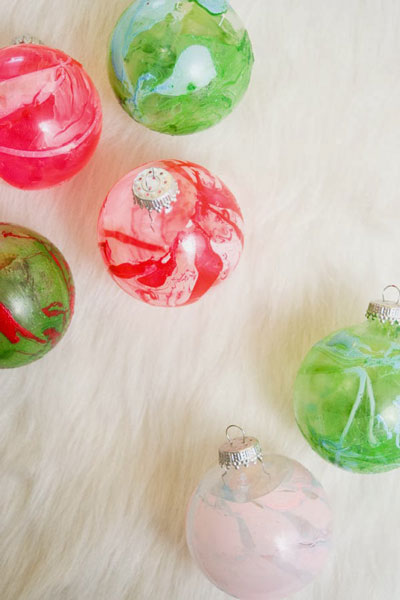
x=261, y=532
x=36, y=295
x=347, y=397
x=171, y=257
x=179, y=66
x=50, y=116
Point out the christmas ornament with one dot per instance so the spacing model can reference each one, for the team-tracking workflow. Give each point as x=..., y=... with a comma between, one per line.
x=347, y=393
x=168, y=231
x=50, y=116
x=259, y=527
x=179, y=66
x=36, y=295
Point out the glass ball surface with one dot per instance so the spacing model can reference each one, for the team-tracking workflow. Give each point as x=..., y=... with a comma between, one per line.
x=261, y=532
x=179, y=67
x=347, y=397
x=172, y=257
x=50, y=116
x=36, y=296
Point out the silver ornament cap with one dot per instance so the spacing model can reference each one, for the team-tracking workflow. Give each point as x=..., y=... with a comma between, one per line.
x=386, y=311
x=26, y=38
x=155, y=188
x=239, y=452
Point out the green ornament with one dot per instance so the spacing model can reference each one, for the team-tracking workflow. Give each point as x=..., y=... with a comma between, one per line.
x=36, y=296
x=347, y=393
x=179, y=67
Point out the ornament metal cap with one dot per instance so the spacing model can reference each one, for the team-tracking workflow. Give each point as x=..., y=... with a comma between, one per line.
x=239, y=452
x=155, y=188
x=384, y=310
x=27, y=39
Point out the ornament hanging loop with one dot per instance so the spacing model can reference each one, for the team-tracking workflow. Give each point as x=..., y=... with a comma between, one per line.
x=150, y=175
x=239, y=452
x=242, y=431
x=389, y=287
x=386, y=311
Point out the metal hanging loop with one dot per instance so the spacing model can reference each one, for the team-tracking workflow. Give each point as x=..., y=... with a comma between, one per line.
x=385, y=311
x=388, y=287
x=239, y=452
x=242, y=431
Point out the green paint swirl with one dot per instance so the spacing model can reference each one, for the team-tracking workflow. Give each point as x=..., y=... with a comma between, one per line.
x=347, y=397
x=177, y=68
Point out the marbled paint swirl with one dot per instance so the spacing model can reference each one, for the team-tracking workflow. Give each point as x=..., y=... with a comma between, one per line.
x=179, y=66
x=171, y=259
x=260, y=546
x=50, y=116
x=347, y=397
x=36, y=295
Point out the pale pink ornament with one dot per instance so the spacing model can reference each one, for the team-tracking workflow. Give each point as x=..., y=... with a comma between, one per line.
x=258, y=526
x=169, y=231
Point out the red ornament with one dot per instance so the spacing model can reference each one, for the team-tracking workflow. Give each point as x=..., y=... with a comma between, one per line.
x=50, y=116
x=169, y=231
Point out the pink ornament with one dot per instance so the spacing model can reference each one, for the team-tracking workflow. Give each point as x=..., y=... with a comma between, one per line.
x=260, y=527
x=50, y=116
x=169, y=231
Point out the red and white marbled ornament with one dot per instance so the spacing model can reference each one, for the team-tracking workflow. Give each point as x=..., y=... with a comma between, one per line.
x=170, y=248
x=50, y=116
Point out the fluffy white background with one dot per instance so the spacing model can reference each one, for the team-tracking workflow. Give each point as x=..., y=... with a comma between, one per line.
x=103, y=440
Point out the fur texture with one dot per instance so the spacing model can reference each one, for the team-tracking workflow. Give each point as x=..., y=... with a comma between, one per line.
x=103, y=440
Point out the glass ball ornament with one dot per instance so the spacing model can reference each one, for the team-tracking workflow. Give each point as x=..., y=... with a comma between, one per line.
x=36, y=296
x=258, y=526
x=50, y=116
x=179, y=67
x=347, y=393
x=169, y=231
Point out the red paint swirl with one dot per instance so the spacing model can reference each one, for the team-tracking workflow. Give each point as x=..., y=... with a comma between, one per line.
x=12, y=330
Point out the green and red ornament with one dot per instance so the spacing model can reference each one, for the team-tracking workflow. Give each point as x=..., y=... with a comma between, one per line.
x=36, y=296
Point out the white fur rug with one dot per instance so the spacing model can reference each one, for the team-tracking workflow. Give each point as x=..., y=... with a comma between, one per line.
x=103, y=440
